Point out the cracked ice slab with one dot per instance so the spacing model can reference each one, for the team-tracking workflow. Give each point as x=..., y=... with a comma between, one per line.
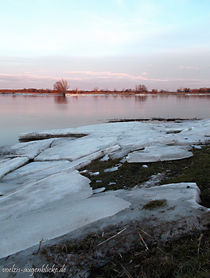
x=182, y=200
x=33, y=172
x=75, y=149
x=159, y=153
x=42, y=194
x=45, y=205
x=50, y=207
x=11, y=164
x=184, y=194
x=30, y=149
x=50, y=134
x=130, y=136
x=20, y=233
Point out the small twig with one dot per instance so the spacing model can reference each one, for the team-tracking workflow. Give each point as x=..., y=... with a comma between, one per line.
x=126, y=271
x=146, y=233
x=116, y=270
x=143, y=241
x=65, y=247
x=111, y=237
x=199, y=243
x=161, y=250
x=40, y=243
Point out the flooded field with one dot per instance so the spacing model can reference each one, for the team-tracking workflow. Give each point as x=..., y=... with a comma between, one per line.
x=24, y=113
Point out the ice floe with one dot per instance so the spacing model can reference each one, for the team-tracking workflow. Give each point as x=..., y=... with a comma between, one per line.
x=99, y=190
x=27, y=230
x=11, y=164
x=44, y=196
x=112, y=169
x=159, y=153
x=94, y=173
x=105, y=158
x=29, y=149
x=75, y=149
x=124, y=138
x=35, y=171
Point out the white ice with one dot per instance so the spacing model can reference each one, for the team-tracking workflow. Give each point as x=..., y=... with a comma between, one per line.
x=48, y=197
x=124, y=138
x=27, y=230
x=45, y=192
x=10, y=164
x=75, y=149
x=112, y=169
x=29, y=149
x=159, y=153
x=35, y=171
x=99, y=190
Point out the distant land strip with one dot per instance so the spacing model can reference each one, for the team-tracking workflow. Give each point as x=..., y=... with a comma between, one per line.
x=108, y=92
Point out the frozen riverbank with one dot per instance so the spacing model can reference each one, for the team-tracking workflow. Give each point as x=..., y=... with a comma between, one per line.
x=46, y=197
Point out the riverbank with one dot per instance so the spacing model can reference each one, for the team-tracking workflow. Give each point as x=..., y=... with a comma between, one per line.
x=101, y=93
x=127, y=175
x=138, y=249
x=117, y=192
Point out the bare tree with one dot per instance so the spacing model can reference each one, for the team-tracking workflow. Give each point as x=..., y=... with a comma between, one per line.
x=141, y=88
x=61, y=86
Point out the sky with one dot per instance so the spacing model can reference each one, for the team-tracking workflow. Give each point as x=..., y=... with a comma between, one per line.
x=106, y=44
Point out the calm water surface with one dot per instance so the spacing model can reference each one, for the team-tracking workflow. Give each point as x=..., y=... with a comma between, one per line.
x=20, y=113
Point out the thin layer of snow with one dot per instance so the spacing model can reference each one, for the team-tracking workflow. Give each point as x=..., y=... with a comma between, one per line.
x=159, y=153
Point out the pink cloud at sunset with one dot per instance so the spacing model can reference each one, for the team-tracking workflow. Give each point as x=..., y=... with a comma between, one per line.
x=105, y=44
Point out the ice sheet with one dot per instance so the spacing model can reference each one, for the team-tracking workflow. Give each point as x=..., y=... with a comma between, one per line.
x=159, y=153
x=29, y=149
x=48, y=198
x=11, y=164
x=20, y=233
x=44, y=193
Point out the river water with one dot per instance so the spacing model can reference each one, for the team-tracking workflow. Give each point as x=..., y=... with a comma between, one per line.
x=25, y=113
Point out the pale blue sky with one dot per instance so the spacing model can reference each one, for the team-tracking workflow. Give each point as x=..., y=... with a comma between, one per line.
x=105, y=44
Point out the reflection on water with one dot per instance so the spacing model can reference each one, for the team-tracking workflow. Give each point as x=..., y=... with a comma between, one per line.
x=24, y=113
x=61, y=99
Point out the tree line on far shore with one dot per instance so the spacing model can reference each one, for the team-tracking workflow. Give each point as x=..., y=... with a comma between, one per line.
x=62, y=87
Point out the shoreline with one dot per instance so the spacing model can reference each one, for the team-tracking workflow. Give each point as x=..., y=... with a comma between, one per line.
x=105, y=94
x=139, y=228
